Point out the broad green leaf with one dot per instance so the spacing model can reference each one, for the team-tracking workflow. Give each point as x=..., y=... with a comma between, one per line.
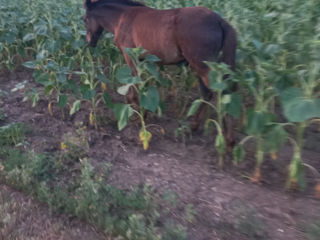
x=30, y=64
x=124, y=75
x=298, y=108
x=102, y=78
x=220, y=144
x=256, y=122
x=150, y=99
x=108, y=101
x=29, y=37
x=238, y=153
x=123, y=90
x=274, y=137
x=234, y=107
x=42, y=54
x=75, y=107
x=48, y=89
x=226, y=98
x=34, y=98
x=152, y=58
x=62, y=78
x=73, y=87
x=272, y=49
x=219, y=86
x=62, y=100
x=40, y=29
x=152, y=70
x=257, y=44
x=123, y=112
x=87, y=93
x=194, y=107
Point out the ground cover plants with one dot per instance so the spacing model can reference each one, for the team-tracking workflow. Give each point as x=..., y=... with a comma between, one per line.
x=278, y=102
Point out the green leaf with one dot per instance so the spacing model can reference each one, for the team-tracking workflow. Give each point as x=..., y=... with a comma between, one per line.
x=219, y=86
x=274, y=137
x=34, y=99
x=62, y=78
x=238, y=153
x=226, y=98
x=194, y=107
x=234, y=107
x=29, y=37
x=42, y=54
x=43, y=78
x=62, y=101
x=123, y=112
x=298, y=108
x=152, y=58
x=150, y=99
x=123, y=90
x=40, y=29
x=87, y=93
x=220, y=144
x=108, y=101
x=48, y=89
x=30, y=64
x=257, y=44
x=124, y=74
x=73, y=87
x=151, y=68
x=102, y=78
x=256, y=122
x=75, y=107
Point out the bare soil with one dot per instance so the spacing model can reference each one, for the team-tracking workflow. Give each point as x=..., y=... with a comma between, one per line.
x=225, y=204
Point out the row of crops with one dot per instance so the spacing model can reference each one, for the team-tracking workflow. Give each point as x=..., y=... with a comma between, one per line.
x=278, y=71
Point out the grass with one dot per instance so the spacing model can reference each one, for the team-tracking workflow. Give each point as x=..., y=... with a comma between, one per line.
x=85, y=194
x=313, y=230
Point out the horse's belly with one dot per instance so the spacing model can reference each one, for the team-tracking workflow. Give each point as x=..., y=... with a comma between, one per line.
x=168, y=52
x=170, y=55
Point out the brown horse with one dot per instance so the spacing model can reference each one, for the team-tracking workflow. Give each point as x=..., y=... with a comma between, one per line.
x=191, y=34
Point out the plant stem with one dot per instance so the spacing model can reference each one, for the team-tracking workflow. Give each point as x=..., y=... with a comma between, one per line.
x=259, y=153
x=300, y=132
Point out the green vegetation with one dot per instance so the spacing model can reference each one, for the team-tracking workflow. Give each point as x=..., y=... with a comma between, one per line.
x=313, y=230
x=278, y=71
x=87, y=194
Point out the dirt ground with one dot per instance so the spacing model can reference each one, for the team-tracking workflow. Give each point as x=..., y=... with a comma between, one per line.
x=214, y=204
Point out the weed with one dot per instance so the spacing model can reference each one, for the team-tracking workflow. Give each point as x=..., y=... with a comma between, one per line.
x=13, y=134
x=2, y=115
x=313, y=230
x=248, y=223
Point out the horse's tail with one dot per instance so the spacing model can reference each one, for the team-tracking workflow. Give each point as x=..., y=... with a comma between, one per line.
x=229, y=45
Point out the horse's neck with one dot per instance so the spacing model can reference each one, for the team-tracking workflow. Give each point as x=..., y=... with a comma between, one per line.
x=109, y=17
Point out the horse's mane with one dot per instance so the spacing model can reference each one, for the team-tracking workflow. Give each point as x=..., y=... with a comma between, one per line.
x=90, y=4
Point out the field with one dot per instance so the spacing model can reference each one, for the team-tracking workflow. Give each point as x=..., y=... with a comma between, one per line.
x=89, y=166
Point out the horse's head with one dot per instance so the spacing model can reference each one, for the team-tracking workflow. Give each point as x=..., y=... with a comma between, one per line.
x=94, y=29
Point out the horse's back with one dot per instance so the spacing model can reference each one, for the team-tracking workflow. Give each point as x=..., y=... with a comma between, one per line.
x=172, y=34
x=152, y=29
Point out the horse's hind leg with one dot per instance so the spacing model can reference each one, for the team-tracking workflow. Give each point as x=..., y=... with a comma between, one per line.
x=203, y=72
x=207, y=95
